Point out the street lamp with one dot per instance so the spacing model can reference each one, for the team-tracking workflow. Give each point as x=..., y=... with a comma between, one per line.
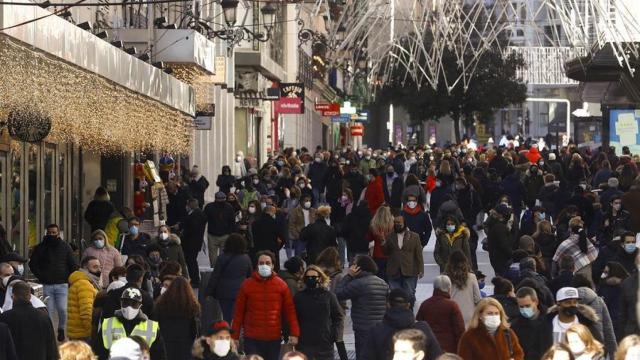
x=268, y=15
x=340, y=32
x=229, y=8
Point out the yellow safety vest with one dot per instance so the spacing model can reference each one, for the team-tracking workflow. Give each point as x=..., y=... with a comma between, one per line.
x=112, y=330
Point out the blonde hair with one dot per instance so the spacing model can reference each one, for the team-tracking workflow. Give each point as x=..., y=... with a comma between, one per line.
x=592, y=345
x=626, y=344
x=324, y=279
x=324, y=211
x=76, y=350
x=382, y=222
x=482, y=305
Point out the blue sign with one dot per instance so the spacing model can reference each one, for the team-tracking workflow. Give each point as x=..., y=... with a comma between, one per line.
x=623, y=129
x=362, y=118
x=343, y=118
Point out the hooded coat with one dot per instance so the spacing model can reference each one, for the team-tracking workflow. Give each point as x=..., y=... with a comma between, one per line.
x=447, y=243
x=605, y=325
x=395, y=319
x=171, y=250
x=82, y=293
x=586, y=316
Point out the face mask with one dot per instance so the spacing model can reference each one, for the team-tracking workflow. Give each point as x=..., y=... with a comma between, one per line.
x=344, y=198
x=96, y=274
x=367, y=157
x=164, y=236
x=633, y=353
x=412, y=204
x=263, y=205
x=398, y=228
x=390, y=173
x=630, y=248
x=163, y=290
x=238, y=158
x=541, y=163
x=20, y=269
x=99, y=244
x=617, y=207
x=604, y=276
x=154, y=259
x=481, y=285
x=459, y=187
x=307, y=204
x=264, y=270
x=542, y=216
x=280, y=162
x=287, y=193
x=311, y=282
x=438, y=183
x=256, y=181
x=130, y=313
x=252, y=209
x=527, y=312
x=318, y=160
x=301, y=184
x=133, y=230
x=570, y=311
x=491, y=322
x=451, y=228
x=221, y=347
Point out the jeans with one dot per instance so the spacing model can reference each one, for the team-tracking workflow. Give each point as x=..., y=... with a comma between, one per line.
x=342, y=248
x=57, y=302
x=408, y=283
x=227, y=306
x=382, y=268
x=215, y=244
x=269, y=350
x=362, y=339
x=295, y=247
x=317, y=196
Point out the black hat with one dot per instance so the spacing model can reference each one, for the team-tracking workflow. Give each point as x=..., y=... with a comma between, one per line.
x=12, y=256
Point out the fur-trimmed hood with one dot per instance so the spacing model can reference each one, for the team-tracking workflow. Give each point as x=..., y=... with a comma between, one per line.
x=173, y=240
x=585, y=313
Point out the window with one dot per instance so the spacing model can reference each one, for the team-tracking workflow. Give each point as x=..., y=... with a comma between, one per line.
x=15, y=202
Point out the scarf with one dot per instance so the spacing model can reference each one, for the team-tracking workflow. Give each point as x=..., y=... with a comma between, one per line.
x=95, y=280
x=414, y=211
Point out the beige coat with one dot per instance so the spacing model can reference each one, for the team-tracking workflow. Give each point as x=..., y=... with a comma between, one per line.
x=296, y=221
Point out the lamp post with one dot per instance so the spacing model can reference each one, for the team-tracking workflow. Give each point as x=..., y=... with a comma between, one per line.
x=234, y=34
x=229, y=10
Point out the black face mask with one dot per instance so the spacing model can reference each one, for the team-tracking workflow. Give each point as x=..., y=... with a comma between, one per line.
x=570, y=311
x=49, y=238
x=311, y=282
x=97, y=273
x=390, y=173
x=398, y=228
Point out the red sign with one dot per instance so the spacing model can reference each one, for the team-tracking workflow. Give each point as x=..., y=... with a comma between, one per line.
x=357, y=130
x=289, y=105
x=328, y=109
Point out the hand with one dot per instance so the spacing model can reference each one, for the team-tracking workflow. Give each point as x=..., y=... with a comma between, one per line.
x=293, y=340
x=420, y=275
x=354, y=270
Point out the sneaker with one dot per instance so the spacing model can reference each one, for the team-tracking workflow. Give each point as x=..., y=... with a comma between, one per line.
x=60, y=335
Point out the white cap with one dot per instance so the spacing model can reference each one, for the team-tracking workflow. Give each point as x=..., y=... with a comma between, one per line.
x=552, y=156
x=125, y=348
x=567, y=293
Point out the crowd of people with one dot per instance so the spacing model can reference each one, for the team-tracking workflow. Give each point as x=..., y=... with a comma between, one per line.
x=560, y=228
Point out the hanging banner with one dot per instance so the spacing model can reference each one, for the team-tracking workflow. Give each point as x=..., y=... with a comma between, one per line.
x=328, y=109
x=291, y=99
x=357, y=130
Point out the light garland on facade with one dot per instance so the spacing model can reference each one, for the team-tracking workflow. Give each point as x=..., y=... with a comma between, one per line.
x=86, y=109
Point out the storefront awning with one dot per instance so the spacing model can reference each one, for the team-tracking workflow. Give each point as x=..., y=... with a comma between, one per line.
x=97, y=95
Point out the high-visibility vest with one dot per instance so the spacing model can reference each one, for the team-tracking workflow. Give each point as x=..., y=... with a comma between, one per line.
x=112, y=330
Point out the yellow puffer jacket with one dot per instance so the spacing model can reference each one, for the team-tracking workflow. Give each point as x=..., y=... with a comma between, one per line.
x=82, y=293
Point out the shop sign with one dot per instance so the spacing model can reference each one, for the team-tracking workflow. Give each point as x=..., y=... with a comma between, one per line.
x=362, y=117
x=220, y=76
x=342, y=118
x=291, y=99
x=203, y=122
x=272, y=94
x=328, y=109
x=348, y=109
x=248, y=102
x=357, y=130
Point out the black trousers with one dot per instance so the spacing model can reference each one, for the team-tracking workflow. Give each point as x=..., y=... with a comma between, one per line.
x=191, y=258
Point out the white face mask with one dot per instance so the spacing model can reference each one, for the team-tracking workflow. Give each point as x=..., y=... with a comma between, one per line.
x=221, y=347
x=21, y=269
x=163, y=290
x=412, y=204
x=491, y=322
x=307, y=204
x=99, y=243
x=238, y=158
x=252, y=209
x=264, y=270
x=164, y=236
x=130, y=313
x=576, y=345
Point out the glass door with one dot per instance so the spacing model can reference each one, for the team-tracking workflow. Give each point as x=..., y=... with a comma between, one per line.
x=4, y=204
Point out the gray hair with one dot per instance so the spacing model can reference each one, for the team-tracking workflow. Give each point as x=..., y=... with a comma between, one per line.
x=528, y=263
x=442, y=282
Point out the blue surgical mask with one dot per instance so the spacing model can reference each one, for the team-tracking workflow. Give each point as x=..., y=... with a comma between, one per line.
x=542, y=215
x=451, y=228
x=527, y=312
x=481, y=285
x=133, y=230
x=630, y=248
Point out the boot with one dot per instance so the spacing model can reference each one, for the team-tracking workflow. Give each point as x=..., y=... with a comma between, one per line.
x=342, y=350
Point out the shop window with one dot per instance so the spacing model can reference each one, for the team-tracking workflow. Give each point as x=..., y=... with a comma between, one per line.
x=62, y=190
x=49, y=181
x=32, y=192
x=15, y=196
x=3, y=196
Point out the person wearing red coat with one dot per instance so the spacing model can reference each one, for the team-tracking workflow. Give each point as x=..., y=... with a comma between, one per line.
x=533, y=155
x=443, y=315
x=373, y=192
x=262, y=301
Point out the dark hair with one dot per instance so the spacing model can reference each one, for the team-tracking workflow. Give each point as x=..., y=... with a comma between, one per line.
x=366, y=263
x=416, y=337
x=266, y=253
x=52, y=226
x=22, y=291
x=627, y=234
x=617, y=270
x=329, y=258
x=178, y=301
x=411, y=180
x=567, y=263
x=153, y=247
x=527, y=291
x=519, y=254
x=133, y=218
x=458, y=269
x=138, y=260
x=144, y=347
x=85, y=260
x=135, y=273
x=294, y=265
x=580, y=280
x=100, y=191
x=501, y=286
x=170, y=268
x=528, y=263
x=117, y=272
x=235, y=244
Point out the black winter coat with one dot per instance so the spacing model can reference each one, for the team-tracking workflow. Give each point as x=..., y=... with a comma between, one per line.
x=52, y=261
x=7, y=348
x=317, y=237
x=230, y=272
x=178, y=334
x=614, y=252
x=320, y=317
x=266, y=232
x=225, y=182
x=172, y=251
x=193, y=229
x=32, y=332
x=138, y=246
x=510, y=305
x=500, y=245
x=198, y=188
x=628, y=320
x=355, y=227
x=393, y=198
x=176, y=208
x=98, y=214
x=368, y=294
x=548, y=196
x=564, y=279
x=396, y=319
x=221, y=218
x=317, y=173
x=419, y=224
x=535, y=335
x=357, y=183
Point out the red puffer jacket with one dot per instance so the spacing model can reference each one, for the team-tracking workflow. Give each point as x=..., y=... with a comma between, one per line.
x=259, y=307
